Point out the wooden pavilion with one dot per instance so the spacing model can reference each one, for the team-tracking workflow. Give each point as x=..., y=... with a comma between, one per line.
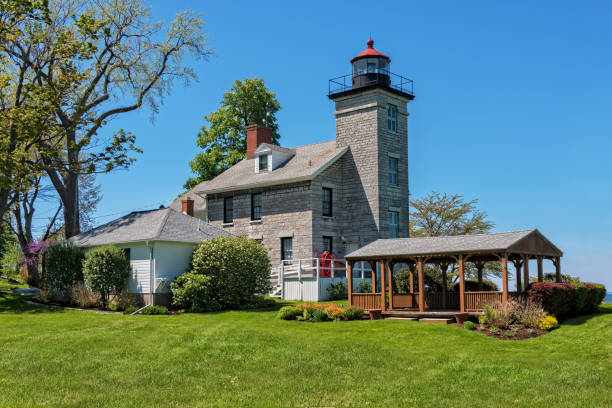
x=518, y=247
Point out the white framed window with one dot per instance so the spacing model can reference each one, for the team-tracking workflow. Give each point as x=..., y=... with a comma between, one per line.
x=263, y=162
x=287, y=250
x=393, y=224
x=392, y=118
x=393, y=173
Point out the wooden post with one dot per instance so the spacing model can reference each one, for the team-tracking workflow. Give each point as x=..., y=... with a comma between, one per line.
x=421, y=286
x=461, y=285
x=349, y=277
x=525, y=272
x=383, y=289
x=373, y=269
x=390, y=268
x=504, y=262
x=444, y=268
x=517, y=266
x=540, y=270
x=558, y=269
x=411, y=278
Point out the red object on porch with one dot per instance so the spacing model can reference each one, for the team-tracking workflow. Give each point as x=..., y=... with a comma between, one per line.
x=326, y=263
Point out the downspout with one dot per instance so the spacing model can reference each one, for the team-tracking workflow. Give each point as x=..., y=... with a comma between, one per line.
x=151, y=273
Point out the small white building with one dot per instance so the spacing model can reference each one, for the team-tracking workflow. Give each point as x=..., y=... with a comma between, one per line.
x=159, y=244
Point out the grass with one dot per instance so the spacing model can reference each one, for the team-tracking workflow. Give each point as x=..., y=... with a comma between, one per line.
x=6, y=284
x=249, y=358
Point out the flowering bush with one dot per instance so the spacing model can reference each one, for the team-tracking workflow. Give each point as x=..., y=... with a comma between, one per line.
x=548, y=323
x=319, y=312
x=566, y=299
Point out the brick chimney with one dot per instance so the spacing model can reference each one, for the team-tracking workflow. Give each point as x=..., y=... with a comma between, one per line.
x=257, y=135
x=187, y=206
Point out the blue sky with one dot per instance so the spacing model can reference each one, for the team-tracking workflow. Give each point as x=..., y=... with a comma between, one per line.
x=512, y=104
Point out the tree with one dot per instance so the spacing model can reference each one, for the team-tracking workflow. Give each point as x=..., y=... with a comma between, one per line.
x=88, y=62
x=23, y=111
x=223, y=142
x=442, y=215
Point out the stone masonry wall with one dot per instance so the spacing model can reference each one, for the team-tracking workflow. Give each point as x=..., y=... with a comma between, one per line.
x=285, y=213
x=361, y=124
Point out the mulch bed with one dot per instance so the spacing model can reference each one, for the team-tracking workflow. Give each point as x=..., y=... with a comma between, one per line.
x=517, y=334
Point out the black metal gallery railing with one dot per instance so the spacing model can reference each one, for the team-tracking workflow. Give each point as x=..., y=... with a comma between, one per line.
x=353, y=81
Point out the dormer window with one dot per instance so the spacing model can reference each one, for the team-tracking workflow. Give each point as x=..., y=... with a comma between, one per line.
x=263, y=162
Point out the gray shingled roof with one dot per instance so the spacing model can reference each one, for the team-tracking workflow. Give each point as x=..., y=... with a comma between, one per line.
x=306, y=164
x=276, y=148
x=501, y=241
x=156, y=225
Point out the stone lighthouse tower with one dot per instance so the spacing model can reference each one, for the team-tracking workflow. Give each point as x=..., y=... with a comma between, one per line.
x=371, y=119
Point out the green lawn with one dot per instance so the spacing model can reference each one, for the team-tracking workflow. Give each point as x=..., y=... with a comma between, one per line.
x=5, y=285
x=73, y=358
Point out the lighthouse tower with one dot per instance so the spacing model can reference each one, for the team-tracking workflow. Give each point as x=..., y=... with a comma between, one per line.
x=371, y=110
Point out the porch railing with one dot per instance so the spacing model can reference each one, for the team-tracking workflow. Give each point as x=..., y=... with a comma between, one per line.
x=367, y=301
x=474, y=301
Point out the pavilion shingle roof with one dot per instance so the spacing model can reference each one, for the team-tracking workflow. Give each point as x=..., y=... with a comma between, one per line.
x=501, y=241
x=306, y=163
x=156, y=225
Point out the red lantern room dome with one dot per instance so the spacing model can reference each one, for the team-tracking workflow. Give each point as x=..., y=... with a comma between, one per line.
x=370, y=52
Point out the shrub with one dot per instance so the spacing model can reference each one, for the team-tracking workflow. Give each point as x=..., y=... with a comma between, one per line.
x=401, y=281
x=106, y=271
x=529, y=313
x=548, y=323
x=509, y=333
x=352, y=313
x=289, y=313
x=334, y=311
x=122, y=301
x=337, y=291
x=319, y=315
x=130, y=309
x=46, y=294
x=565, y=299
x=83, y=297
x=469, y=325
x=258, y=302
x=10, y=264
x=193, y=292
x=154, y=310
x=364, y=287
x=63, y=267
x=308, y=313
x=493, y=330
x=238, y=268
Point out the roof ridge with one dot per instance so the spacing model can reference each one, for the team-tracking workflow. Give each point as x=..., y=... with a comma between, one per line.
x=163, y=223
x=312, y=144
x=471, y=235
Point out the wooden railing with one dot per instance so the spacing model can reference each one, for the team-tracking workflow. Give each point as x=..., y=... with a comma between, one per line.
x=366, y=301
x=477, y=300
x=405, y=300
x=433, y=300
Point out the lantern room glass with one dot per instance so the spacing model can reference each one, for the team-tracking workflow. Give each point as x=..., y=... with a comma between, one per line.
x=371, y=66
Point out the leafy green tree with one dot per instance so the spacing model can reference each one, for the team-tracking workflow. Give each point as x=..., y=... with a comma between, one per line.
x=438, y=215
x=223, y=142
x=105, y=271
x=84, y=64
